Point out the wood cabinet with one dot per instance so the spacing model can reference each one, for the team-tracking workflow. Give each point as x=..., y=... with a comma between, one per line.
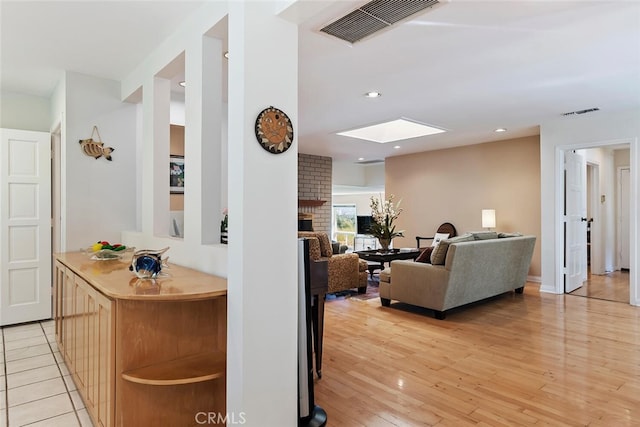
x=141, y=352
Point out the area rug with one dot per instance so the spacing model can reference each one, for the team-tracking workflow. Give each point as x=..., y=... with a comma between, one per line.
x=372, y=292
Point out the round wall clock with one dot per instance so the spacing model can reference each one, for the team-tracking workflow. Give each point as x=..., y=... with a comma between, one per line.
x=274, y=130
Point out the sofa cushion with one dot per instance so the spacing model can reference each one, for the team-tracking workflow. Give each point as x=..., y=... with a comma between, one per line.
x=385, y=275
x=484, y=235
x=504, y=235
x=439, y=254
x=425, y=255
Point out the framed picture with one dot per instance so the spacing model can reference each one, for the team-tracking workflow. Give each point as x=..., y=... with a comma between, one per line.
x=176, y=174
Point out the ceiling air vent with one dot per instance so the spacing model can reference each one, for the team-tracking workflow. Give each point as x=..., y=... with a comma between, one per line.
x=374, y=16
x=589, y=110
x=370, y=162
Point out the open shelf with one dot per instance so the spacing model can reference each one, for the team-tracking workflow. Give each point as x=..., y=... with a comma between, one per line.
x=187, y=370
x=311, y=203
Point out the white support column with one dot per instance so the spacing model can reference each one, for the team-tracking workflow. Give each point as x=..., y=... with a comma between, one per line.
x=155, y=157
x=160, y=144
x=262, y=267
x=203, y=140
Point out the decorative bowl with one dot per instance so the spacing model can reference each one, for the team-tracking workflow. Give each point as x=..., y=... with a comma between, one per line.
x=107, y=254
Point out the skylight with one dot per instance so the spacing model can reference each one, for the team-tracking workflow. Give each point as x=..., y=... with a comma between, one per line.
x=394, y=130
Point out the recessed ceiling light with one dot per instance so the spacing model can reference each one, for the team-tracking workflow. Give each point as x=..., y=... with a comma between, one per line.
x=500, y=130
x=373, y=94
x=360, y=159
x=226, y=54
x=183, y=83
x=397, y=147
x=394, y=130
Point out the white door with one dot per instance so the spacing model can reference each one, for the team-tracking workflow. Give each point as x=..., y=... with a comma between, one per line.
x=575, y=220
x=25, y=226
x=624, y=215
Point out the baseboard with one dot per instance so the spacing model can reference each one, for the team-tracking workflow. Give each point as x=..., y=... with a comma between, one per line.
x=535, y=279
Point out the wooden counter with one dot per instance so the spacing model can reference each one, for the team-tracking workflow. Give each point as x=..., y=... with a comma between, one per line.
x=141, y=352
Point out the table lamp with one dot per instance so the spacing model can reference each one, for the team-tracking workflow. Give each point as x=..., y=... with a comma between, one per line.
x=488, y=218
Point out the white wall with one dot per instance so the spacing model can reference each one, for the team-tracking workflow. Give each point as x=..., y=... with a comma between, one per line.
x=592, y=130
x=100, y=195
x=349, y=174
x=26, y=112
x=604, y=224
x=361, y=200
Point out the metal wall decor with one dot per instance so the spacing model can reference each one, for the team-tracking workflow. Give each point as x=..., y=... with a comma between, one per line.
x=95, y=148
x=274, y=130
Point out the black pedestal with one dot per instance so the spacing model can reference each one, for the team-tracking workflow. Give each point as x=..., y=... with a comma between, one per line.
x=309, y=415
x=318, y=418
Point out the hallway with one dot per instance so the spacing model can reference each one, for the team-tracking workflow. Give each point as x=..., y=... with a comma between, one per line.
x=612, y=286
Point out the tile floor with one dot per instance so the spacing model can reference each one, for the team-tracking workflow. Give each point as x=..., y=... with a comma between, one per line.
x=35, y=386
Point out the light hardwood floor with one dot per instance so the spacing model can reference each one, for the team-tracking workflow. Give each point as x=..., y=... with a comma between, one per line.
x=611, y=286
x=531, y=359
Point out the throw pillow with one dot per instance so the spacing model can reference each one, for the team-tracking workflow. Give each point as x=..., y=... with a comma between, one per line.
x=439, y=254
x=438, y=238
x=425, y=255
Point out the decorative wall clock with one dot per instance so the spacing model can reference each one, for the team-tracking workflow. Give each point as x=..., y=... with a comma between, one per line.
x=274, y=130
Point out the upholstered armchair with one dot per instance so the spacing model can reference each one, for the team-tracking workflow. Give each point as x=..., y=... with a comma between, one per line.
x=346, y=271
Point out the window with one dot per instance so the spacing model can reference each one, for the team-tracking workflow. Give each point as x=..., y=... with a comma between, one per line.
x=343, y=228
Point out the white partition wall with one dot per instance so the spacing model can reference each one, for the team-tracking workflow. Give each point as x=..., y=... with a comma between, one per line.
x=262, y=339
x=260, y=261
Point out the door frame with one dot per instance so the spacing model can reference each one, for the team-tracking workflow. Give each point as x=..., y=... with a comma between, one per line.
x=56, y=188
x=618, y=186
x=593, y=173
x=634, y=285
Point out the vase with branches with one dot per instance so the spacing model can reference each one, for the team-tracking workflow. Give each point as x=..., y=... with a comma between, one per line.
x=384, y=213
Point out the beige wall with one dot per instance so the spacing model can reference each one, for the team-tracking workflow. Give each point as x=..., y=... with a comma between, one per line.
x=454, y=185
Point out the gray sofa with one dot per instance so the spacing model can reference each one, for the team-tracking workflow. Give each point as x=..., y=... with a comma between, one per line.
x=473, y=270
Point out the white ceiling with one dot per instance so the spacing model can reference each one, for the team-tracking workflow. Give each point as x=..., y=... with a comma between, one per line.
x=466, y=66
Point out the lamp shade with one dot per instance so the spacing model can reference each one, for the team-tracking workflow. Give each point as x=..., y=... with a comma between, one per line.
x=488, y=218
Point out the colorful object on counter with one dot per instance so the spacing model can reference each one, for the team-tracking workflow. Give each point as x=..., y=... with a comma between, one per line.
x=105, y=245
x=147, y=263
x=104, y=251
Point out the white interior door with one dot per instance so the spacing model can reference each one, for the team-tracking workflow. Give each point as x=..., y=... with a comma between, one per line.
x=25, y=226
x=624, y=216
x=575, y=220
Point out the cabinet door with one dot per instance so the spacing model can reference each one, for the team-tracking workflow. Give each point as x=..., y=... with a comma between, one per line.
x=68, y=318
x=104, y=358
x=92, y=351
x=58, y=286
x=80, y=333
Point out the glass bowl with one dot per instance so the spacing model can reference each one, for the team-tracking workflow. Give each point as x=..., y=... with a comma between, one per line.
x=107, y=254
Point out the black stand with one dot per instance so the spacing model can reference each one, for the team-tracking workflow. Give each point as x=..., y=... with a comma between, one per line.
x=318, y=418
x=309, y=414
